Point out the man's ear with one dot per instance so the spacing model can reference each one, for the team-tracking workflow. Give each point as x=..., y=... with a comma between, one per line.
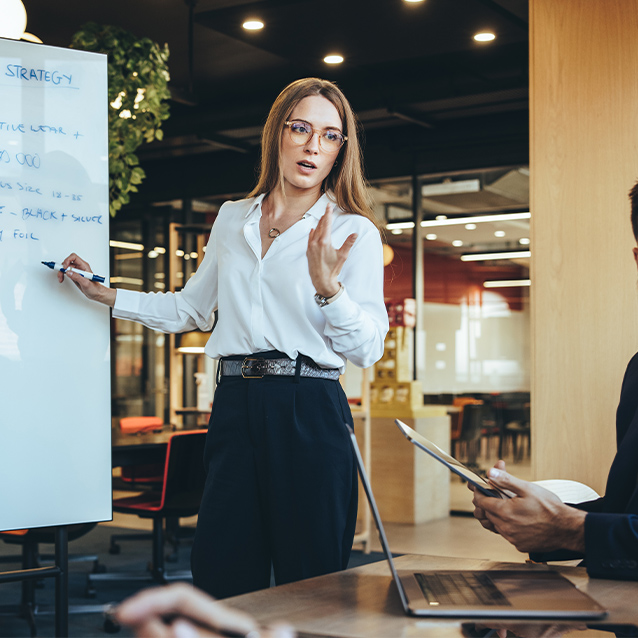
x=635, y=251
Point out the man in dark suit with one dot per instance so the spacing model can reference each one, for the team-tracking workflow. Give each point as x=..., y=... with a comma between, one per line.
x=604, y=532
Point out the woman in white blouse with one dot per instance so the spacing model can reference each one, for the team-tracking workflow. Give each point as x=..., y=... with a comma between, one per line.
x=296, y=274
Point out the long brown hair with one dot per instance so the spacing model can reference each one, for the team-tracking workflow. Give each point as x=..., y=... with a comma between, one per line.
x=345, y=180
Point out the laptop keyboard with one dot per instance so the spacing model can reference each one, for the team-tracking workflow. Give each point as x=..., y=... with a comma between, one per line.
x=460, y=588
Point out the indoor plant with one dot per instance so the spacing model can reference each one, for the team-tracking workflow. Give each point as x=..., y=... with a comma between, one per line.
x=137, y=92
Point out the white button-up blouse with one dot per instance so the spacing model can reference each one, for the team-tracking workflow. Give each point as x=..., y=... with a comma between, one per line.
x=268, y=304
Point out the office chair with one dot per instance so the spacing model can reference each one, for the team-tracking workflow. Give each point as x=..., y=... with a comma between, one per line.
x=517, y=430
x=143, y=475
x=471, y=431
x=460, y=422
x=180, y=496
x=30, y=557
x=137, y=477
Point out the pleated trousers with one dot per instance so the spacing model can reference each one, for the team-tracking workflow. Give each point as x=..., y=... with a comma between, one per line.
x=281, y=486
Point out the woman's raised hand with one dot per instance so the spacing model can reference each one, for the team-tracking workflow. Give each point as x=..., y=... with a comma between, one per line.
x=324, y=261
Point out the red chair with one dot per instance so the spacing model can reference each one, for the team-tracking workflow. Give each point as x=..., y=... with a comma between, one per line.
x=141, y=475
x=137, y=477
x=179, y=496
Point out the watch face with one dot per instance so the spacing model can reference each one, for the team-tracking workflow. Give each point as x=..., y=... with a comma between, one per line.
x=322, y=301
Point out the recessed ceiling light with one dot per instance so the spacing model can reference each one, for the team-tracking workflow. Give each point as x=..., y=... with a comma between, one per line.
x=513, y=254
x=499, y=233
x=333, y=58
x=524, y=241
x=457, y=243
x=430, y=236
x=507, y=283
x=475, y=219
x=413, y=1
x=441, y=217
x=397, y=231
x=484, y=36
x=253, y=25
x=470, y=226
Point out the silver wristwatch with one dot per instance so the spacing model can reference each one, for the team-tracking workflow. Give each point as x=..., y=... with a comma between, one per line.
x=324, y=301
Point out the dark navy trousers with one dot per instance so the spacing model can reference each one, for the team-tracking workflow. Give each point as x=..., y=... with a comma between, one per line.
x=281, y=485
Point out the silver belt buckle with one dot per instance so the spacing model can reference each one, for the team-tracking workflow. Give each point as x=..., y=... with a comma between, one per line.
x=246, y=363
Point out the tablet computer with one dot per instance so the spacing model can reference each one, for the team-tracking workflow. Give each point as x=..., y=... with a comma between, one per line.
x=455, y=466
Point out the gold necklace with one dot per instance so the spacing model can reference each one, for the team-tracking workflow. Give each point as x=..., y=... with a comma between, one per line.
x=273, y=233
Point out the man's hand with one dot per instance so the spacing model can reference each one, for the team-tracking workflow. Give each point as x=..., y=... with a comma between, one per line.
x=535, y=519
x=480, y=513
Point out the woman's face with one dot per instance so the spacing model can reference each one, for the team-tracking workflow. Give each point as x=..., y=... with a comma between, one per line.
x=306, y=165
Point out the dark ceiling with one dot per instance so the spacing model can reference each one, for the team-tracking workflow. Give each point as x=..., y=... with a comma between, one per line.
x=430, y=98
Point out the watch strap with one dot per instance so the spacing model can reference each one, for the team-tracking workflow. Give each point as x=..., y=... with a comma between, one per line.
x=324, y=301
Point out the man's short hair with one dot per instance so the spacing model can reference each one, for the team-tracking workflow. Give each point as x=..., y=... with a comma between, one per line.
x=633, y=196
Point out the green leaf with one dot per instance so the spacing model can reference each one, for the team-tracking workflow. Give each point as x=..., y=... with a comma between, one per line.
x=129, y=55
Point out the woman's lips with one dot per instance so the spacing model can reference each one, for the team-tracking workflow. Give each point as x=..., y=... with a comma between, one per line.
x=306, y=167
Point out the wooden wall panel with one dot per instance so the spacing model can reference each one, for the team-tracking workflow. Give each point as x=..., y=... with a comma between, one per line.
x=583, y=161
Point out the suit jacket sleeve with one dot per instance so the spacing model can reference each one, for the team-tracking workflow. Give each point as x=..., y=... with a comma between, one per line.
x=611, y=545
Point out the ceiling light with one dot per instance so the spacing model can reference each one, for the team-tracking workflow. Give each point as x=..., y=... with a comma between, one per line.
x=512, y=254
x=441, y=220
x=333, y=58
x=413, y=1
x=504, y=217
x=400, y=225
x=127, y=280
x=484, y=36
x=253, y=25
x=128, y=256
x=457, y=243
x=125, y=244
x=470, y=226
x=29, y=37
x=507, y=283
x=397, y=231
x=192, y=342
x=14, y=19
x=430, y=236
x=524, y=241
x=499, y=233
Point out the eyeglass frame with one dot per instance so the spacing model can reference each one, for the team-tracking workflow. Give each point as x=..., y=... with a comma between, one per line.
x=314, y=130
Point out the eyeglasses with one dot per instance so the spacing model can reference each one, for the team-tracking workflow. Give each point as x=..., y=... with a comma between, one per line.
x=301, y=133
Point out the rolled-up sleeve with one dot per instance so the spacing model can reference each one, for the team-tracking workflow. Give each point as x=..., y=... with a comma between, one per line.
x=357, y=322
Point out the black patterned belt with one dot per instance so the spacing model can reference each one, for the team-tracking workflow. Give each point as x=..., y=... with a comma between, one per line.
x=256, y=368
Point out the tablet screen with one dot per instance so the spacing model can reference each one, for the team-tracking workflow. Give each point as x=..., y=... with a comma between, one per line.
x=457, y=467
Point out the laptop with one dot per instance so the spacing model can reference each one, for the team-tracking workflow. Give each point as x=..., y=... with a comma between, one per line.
x=523, y=594
x=449, y=461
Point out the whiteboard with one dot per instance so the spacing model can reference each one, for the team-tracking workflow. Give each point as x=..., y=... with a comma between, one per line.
x=55, y=419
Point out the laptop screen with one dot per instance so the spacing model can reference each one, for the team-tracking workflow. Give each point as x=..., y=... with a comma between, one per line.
x=377, y=518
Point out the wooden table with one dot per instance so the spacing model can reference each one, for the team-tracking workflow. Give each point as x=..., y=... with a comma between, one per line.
x=140, y=449
x=364, y=602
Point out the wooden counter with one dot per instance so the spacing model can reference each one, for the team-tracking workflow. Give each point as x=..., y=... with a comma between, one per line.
x=409, y=485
